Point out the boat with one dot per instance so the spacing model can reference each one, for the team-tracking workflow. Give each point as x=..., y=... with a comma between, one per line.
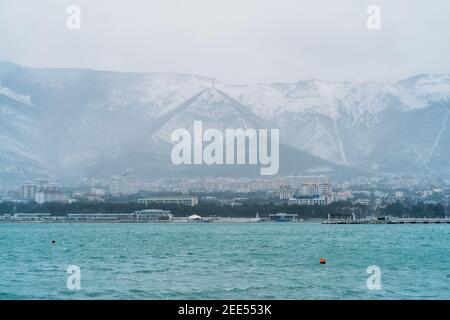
x=283, y=217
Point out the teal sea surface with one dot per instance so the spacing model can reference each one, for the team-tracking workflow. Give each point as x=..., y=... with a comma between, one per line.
x=224, y=261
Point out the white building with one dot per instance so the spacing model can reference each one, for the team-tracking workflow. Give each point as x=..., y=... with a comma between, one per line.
x=100, y=217
x=153, y=214
x=43, y=196
x=315, y=188
x=92, y=196
x=286, y=192
x=321, y=200
x=178, y=200
x=29, y=190
x=115, y=186
x=308, y=201
x=324, y=188
x=30, y=217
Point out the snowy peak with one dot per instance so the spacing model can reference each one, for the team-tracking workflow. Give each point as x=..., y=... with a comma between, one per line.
x=69, y=119
x=435, y=88
x=214, y=108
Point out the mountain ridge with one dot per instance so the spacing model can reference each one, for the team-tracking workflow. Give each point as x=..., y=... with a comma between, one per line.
x=76, y=117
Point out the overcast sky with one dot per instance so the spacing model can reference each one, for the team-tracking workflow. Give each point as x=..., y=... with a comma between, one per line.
x=236, y=41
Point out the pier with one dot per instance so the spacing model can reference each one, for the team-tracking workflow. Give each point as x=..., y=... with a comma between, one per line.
x=351, y=219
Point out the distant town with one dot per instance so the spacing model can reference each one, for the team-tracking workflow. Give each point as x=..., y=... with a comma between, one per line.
x=126, y=198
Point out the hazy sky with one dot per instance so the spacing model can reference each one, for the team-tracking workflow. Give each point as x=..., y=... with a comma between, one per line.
x=237, y=41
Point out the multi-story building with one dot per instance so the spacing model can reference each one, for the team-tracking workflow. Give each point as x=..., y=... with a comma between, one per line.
x=115, y=185
x=124, y=184
x=324, y=188
x=286, y=192
x=309, y=189
x=309, y=200
x=50, y=195
x=178, y=200
x=29, y=190
x=315, y=188
x=317, y=199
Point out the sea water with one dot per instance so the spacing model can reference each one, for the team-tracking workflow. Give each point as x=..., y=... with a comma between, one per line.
x=224, y=261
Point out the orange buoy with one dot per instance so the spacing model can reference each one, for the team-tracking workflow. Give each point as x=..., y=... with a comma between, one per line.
x=323, y=261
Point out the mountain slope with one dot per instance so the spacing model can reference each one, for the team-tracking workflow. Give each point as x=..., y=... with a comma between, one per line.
x=75, y=123
x=18, y=156
x=149, y=154
x=361, y=125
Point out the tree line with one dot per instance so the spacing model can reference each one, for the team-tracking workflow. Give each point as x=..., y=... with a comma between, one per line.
x=245, y=210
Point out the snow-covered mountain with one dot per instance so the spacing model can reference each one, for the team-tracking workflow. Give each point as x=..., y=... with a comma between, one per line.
x=148, y=153
x=78, y=123
x=19, y=137
x=355, y=123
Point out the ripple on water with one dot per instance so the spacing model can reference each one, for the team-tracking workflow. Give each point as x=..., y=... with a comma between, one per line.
x=226, y=261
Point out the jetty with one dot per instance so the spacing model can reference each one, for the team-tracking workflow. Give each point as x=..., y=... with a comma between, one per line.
x=351, y=219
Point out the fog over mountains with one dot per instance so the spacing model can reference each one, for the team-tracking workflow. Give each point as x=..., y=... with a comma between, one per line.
x=75, y=123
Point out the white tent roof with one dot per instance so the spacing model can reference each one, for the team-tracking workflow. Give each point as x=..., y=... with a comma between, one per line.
x=194, y=217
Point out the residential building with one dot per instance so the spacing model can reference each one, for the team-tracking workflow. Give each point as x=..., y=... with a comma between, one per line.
x=29, y=190
x=51, y=195
x=286, y=192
